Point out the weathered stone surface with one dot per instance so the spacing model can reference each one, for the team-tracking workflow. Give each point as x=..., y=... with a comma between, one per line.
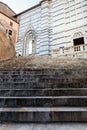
x=76, y=101
x=46, y=62
x=43, y=92
x=43, y=95
x=6, y=46
x=43, y=117
x=50, y=126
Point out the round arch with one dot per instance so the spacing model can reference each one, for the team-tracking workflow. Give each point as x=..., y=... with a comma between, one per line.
x=77, y=35
x=78, y=38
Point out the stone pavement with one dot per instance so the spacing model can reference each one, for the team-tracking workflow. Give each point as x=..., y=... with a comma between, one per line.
x=58, y=126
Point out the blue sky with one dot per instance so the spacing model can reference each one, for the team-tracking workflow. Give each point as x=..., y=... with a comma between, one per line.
x=20, y=5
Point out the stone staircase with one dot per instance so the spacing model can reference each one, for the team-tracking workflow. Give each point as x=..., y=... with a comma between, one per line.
x=43, y=95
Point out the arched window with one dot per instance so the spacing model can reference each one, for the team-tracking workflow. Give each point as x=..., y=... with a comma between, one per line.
x=29, y=45
x=78, y=39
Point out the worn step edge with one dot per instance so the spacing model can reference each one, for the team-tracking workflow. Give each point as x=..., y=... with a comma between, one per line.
x=47, y=89
x=49, y=116
x=42, y=93
x=46, y=97
x=48, y=109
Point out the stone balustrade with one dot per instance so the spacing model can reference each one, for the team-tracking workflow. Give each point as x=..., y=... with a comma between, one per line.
x=71, y=51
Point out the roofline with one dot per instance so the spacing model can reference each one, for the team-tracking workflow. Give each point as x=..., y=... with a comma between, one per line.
x=27, y=10
x=9, y=17
x=33, y=7
x=8, y=7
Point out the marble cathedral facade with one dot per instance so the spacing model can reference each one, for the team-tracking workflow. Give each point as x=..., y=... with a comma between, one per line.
x=54, y=27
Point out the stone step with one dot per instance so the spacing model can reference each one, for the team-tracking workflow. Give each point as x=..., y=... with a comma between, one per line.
x=64, y=89
x=39, y=85
x=49, y=101
x=43, y=80
x=43, y=115
x=61, y=74
x=41, y=71
x=43, y=92
x=40, y=79
x=35, y=109
x=43, y=95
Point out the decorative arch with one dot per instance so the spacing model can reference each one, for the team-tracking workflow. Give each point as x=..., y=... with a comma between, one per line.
x=29, y=41
x=78, y=38
x=77, y=35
